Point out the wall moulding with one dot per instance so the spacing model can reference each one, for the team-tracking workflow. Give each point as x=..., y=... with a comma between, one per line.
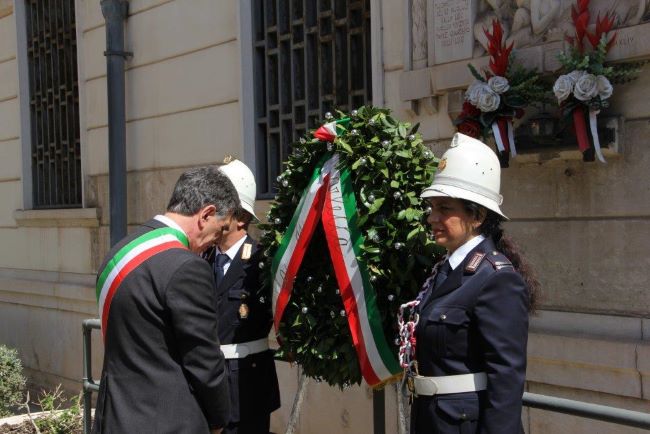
x=58, y=218
x=610, y=132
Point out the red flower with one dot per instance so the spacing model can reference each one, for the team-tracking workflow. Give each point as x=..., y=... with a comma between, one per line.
x=498, y=51
x=580, y=18
x=469, y=111
x=603, y=26
x=470, y=128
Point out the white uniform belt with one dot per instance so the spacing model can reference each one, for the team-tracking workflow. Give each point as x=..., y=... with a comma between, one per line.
x=429, y=386
x=239, y=351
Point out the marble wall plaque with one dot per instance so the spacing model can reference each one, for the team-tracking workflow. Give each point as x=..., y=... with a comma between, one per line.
x=453, y=22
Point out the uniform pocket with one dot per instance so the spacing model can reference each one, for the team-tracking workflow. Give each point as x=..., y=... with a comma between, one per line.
x=451, y=330
x=458, y=414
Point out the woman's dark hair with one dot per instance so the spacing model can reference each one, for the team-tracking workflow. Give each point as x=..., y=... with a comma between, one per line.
x=491, y=227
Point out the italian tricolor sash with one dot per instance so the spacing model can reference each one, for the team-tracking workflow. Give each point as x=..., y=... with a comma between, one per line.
x=330, y=196
x=129, y=258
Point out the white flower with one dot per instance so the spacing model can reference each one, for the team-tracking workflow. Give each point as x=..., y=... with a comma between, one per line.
x=575, y=75
x=488, y=101
x=585, y=88
x=605, y=88
x=474, y=92
x=563, y=87
x=499, y=84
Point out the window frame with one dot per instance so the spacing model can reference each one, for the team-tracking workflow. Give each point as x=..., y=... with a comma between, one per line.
x=22, y=60
x=247, y=92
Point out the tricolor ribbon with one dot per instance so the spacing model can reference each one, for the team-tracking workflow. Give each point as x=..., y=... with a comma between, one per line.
x=330, y=196
x=128, y=258
x=580, y=125
x=581, y=129
x=504, y=137
x=593, y=126
x=331, y=130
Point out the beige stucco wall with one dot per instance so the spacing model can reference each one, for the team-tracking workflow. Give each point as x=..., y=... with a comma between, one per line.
x=584, y=226
x=182, y=91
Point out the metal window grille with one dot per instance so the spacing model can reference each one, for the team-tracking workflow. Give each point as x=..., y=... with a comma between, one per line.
x=54, y=103
x=311, y=56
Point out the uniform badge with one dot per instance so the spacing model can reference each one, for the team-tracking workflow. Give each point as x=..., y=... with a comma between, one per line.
x=474, y=262
x=246, y=251
x=441, y=165
x=243, y=311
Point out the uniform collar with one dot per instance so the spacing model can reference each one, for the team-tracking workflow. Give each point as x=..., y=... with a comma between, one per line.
x=232, y=251
x=456, y=258
x=169, y=222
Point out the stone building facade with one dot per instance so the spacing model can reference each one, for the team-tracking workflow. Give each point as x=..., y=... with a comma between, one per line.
x=190, y=101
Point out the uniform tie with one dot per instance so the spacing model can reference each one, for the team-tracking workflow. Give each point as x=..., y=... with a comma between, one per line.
x=220, y=261
x=441, y=276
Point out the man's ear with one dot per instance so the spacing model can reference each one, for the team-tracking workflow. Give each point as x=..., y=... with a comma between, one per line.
x=206, y=212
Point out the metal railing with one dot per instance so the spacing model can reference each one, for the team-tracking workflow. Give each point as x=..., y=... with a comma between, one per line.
x=543, y=402
x=89, y=385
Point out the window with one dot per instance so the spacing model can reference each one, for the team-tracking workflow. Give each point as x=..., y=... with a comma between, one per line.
x=51, y=44
x=310, y=57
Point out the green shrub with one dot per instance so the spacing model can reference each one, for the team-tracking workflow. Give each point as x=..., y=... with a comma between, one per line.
x=63, y=416
x=12, y=381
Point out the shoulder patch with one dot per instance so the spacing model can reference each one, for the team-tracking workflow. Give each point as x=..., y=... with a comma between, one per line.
x=246, y=251
x=499, y=260
x=474, y=262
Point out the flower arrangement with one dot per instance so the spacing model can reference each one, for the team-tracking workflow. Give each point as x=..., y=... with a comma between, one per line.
x=587, y=80
x=498, y=95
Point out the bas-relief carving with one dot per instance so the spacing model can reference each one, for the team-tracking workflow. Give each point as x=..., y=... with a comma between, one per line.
x=533, y=22
x=488, y=11
x=6, y=8
x=419, y=33
x=537, y=21
x=454, y=32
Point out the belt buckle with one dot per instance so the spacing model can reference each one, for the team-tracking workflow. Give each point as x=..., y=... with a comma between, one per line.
x=434, y=387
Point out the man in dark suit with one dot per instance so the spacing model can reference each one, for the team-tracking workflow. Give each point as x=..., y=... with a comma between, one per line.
x=163, y=370
x=245, y=315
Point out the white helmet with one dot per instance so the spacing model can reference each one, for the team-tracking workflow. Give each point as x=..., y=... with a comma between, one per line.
x=244, y=181
x=468, y=170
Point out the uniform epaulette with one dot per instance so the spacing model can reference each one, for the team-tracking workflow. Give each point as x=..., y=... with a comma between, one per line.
x=474, y=262
x=499, y=260
x=246, y=251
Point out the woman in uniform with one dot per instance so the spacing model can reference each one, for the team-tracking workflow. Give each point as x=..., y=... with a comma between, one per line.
x=473, y=313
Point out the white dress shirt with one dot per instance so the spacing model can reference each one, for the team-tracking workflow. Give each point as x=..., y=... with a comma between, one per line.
x=231, y=253
x=459, y=254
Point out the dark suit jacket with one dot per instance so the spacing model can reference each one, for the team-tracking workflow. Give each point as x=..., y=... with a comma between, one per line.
x=475, y=322
x=163, y=370
x=254, y=390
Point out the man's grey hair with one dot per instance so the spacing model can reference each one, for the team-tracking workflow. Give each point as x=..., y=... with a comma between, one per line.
x=198, y=188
